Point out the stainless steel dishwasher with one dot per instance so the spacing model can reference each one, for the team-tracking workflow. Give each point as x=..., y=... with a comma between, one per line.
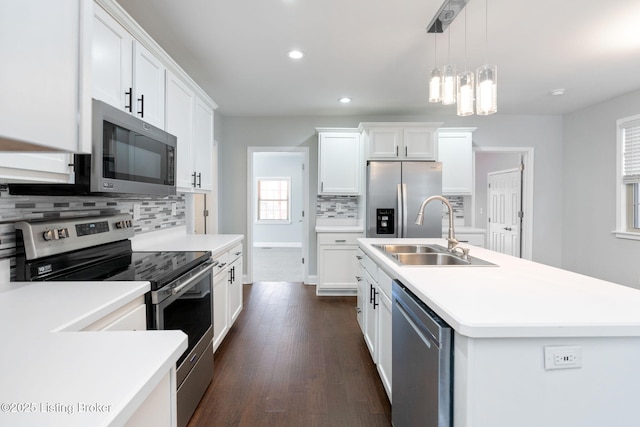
x=422, y=364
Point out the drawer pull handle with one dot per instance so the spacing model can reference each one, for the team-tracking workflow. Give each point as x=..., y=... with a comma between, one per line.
x=358, y=257
x=341, y=241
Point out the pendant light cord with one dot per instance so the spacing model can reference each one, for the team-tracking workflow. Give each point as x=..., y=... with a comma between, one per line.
x=486, y=31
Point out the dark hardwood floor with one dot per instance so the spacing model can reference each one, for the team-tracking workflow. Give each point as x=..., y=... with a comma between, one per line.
x=294, y=359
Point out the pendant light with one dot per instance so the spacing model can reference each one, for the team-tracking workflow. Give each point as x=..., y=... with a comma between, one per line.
x=449, y=79
x=486, y=79
x=435, y=79
x=465, y=82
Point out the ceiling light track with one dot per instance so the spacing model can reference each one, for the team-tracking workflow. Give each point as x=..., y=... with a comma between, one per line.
x=445, y=15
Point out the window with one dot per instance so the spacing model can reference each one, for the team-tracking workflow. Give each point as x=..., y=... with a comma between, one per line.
x=274, y=196
x=628, y=194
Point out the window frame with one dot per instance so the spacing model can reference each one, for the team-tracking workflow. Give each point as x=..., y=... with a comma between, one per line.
x=286, y=221
x=624, y=191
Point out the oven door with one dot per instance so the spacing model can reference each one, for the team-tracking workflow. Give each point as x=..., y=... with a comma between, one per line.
x=186, y=305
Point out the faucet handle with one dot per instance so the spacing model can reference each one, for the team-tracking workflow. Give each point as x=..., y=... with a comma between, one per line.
x=464, y=254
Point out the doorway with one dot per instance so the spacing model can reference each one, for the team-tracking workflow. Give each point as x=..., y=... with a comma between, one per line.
x=504, y=201
x=500, y=159
x=277, y=220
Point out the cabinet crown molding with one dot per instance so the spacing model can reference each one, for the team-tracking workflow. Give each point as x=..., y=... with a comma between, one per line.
x=365, y=126
x=340, y=130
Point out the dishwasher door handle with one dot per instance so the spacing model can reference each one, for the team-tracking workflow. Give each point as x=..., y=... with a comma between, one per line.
x=427, y=339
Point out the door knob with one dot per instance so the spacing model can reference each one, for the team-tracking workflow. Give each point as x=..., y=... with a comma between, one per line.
x=507, y=228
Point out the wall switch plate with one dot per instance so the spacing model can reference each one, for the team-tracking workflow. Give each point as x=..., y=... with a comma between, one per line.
x=562, y=357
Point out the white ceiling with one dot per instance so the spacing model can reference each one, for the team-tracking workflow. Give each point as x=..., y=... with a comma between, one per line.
x=378, y=52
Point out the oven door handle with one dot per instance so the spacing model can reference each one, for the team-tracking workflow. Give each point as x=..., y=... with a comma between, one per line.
x=195, y=278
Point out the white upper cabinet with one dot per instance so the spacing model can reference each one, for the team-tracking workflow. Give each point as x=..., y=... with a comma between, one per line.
x=340, y=163
x=203, y=146
x=400, y=141
x=180, y=121
x=148, y=86
x=455, y=151
x=190, y=119
x=46, y=62
x=112, y=55
x=125, y=74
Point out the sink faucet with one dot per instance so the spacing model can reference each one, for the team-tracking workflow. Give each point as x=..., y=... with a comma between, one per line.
x=451, y=238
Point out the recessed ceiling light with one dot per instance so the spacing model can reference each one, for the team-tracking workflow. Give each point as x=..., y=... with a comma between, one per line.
x=345, y=100
x=557, y=92
x=296, y=54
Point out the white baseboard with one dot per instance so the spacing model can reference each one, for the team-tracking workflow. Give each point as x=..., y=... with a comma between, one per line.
x=312, y=280
x=277, y=244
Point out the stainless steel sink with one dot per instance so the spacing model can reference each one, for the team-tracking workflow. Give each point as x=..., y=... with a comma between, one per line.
x=410, y=249
x=428, y=255
x=430, y=259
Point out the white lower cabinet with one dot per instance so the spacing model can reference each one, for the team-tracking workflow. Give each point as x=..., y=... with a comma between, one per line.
x=371, y=316
x=337, y=263
x=374, y=296
x=227, y=292
x=235, y=284
x=361, y=283
x=384, y=330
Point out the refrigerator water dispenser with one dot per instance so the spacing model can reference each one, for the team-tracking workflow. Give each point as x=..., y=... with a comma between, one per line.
x=385, y=221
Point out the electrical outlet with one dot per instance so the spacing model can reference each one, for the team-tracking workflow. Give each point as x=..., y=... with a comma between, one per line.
x=562, y=357
x=174, y=209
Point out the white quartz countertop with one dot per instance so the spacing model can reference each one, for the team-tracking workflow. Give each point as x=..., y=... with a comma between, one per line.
x=53, y=374
x=516, y=298
x=177, y=239
x=339, y=229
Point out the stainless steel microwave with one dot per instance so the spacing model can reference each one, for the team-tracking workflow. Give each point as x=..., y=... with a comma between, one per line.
x=128, y=156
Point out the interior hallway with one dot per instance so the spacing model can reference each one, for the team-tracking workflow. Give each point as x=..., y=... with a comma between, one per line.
x=294, y=359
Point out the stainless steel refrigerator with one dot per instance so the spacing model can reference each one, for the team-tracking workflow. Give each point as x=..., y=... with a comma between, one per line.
x=395, y=191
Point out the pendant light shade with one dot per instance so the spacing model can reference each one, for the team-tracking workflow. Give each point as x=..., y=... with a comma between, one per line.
x=448, y=84
x=465, y=93
x=487, y=90
x=435, y=85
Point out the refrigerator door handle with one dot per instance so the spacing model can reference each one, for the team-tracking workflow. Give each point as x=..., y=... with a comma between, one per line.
x=405, y=226
x=399, y=220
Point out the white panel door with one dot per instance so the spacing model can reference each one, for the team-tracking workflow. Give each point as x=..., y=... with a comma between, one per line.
x=505, y=199
x=112, y=55
x=148, y=83
x=180, y=123
x=203, y=146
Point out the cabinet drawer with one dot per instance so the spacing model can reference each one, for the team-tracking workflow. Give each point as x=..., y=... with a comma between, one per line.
x=223, y=262
x=371, y=268
x=235, y=252
x=339, y=238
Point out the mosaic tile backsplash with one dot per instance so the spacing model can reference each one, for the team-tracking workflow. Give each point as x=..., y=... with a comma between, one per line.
x=339, y=207
x=155, y=212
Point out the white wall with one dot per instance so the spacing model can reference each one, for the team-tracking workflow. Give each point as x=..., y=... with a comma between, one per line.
x=544, y=133
x=287, y=165
x=589, y=208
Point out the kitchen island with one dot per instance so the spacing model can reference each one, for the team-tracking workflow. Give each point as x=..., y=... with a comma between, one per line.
x=504, y=316
x=62, y=365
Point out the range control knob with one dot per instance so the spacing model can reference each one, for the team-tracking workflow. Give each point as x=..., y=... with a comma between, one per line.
x=121, y=224
x=63, y=233
x=50, y=235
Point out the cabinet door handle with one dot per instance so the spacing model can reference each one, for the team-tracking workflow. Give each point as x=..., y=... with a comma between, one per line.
x=375, y=299
x=371, y=297
x=141, y=112
x=199, y=180
x=397, y=152
x=322, y=186
x=128, y=94
x=406, y=153
x=193, y=184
